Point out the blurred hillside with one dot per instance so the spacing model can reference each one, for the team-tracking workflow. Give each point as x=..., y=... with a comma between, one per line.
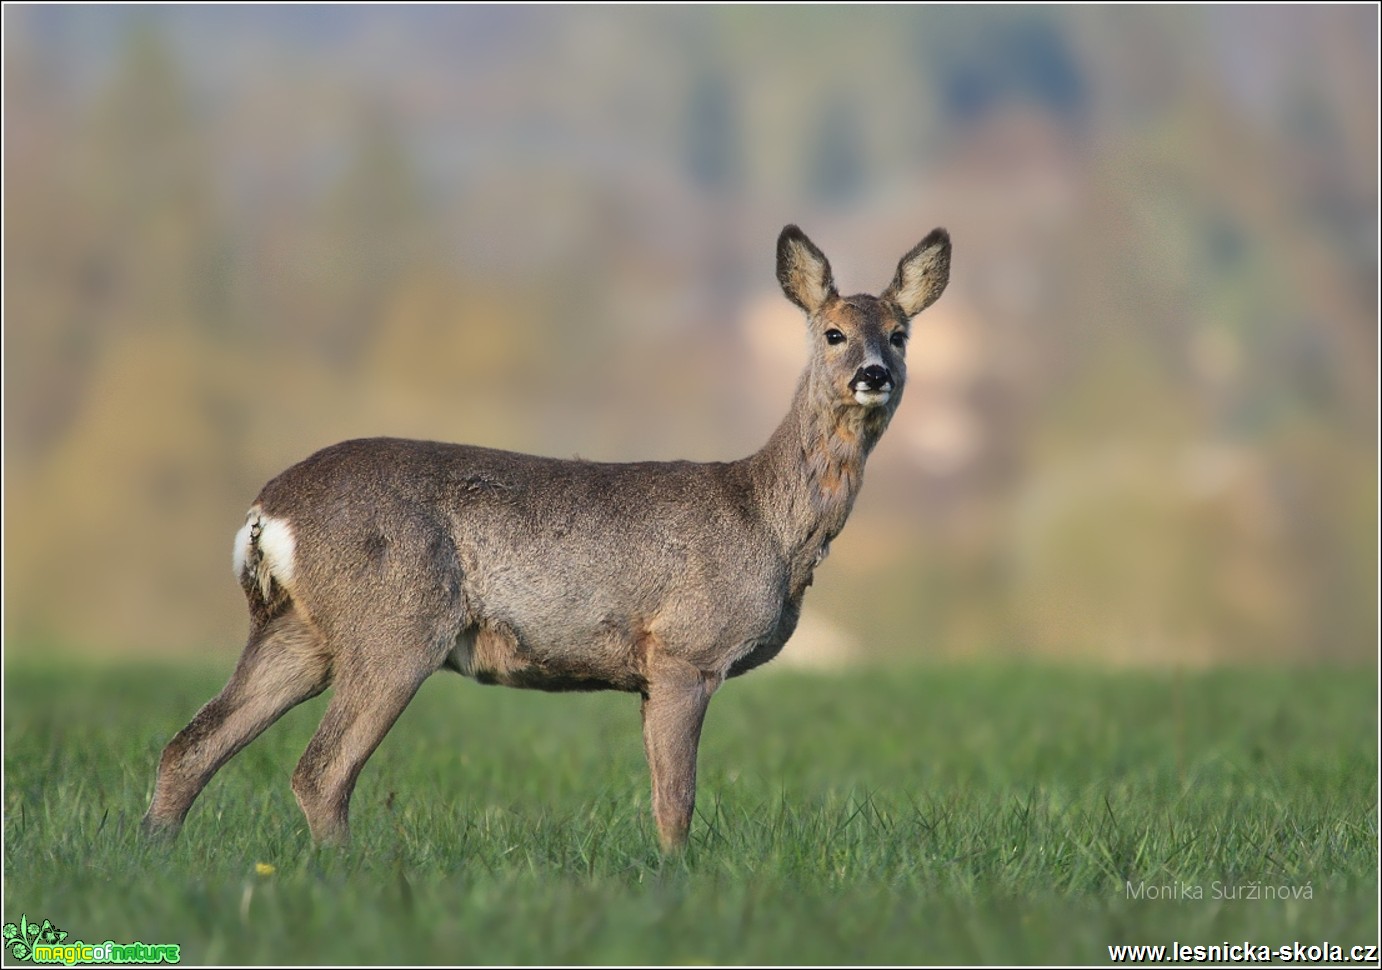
x=1140, y=427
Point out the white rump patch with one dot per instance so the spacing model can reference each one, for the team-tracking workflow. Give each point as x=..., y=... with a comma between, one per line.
x=240, y=554
x=277, y=545
x=264, y=551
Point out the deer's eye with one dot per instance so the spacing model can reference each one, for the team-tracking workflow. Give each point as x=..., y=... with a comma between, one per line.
x=898, y=339
x=833, y=336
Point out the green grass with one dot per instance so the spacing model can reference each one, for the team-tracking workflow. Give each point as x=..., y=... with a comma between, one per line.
x=955, y=814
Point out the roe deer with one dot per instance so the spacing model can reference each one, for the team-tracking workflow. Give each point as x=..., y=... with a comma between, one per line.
x=375, y=563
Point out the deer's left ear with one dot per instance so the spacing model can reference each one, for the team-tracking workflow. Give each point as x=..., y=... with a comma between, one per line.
x=922, y=274
x=803, y=271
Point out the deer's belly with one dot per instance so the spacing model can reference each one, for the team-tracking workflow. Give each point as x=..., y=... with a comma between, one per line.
x=499, y=655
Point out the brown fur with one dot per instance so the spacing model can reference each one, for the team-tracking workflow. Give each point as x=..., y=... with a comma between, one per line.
x=374, y=563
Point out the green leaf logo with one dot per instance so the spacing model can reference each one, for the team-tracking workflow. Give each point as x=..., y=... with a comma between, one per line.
x=21, y=938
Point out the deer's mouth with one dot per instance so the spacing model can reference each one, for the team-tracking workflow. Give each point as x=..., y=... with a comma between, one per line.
x=873, y=397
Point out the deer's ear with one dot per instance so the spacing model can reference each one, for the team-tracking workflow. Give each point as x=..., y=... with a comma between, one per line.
x=922, y=274
x=803, y=271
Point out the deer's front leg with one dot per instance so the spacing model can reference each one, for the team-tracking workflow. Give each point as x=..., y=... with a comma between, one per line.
x=673, y=711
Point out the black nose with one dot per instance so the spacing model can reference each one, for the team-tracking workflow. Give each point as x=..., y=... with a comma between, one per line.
x=875, y=377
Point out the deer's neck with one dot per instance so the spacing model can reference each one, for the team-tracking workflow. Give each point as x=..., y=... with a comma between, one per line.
x=811, y=469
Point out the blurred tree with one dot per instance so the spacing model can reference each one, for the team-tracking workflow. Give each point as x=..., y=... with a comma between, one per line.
x=149, y=244
x=375, y=227
x=836, y=158
x=715, y=162
x=982, y=60
x=120, y=226
x=713, y=145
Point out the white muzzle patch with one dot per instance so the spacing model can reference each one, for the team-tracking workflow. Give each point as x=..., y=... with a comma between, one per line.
x=873, y=399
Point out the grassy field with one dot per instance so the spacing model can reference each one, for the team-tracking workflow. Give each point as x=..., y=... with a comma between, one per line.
x=955, y=814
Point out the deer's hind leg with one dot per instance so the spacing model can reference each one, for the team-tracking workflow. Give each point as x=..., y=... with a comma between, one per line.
x=377, y=675
x=284, y=663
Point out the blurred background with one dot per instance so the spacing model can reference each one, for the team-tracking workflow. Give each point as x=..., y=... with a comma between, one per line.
x=1140, y=427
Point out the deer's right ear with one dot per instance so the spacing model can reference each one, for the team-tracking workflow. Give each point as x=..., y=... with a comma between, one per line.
x=803, y=271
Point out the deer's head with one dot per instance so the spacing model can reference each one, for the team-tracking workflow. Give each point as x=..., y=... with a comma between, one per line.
x=859, y=343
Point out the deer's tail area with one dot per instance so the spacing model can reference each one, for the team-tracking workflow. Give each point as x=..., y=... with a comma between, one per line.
x=264, y=559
